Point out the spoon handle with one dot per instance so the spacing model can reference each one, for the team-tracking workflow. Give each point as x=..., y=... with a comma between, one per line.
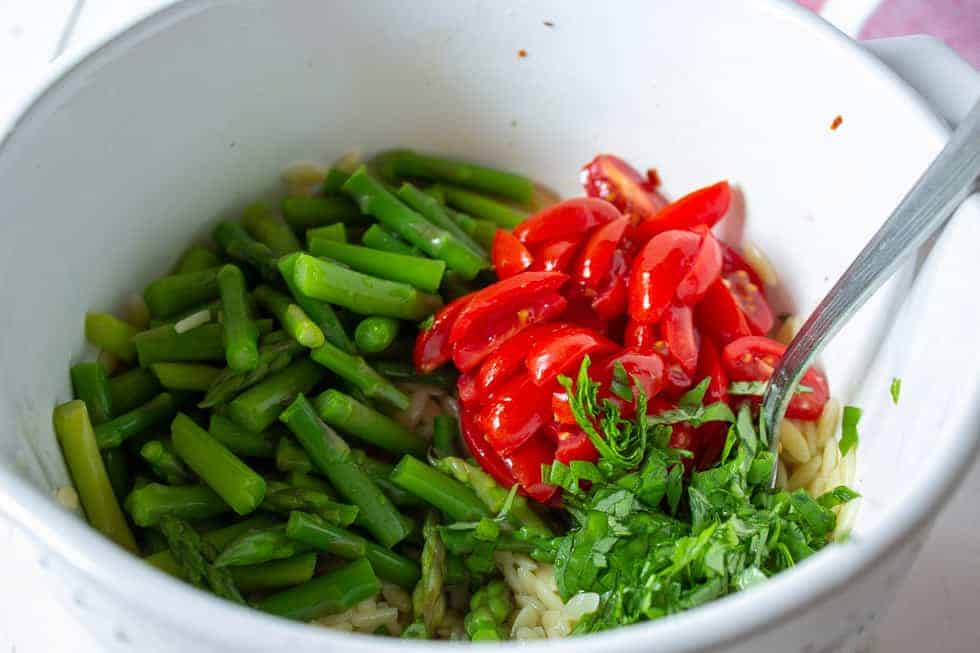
x=928, y=205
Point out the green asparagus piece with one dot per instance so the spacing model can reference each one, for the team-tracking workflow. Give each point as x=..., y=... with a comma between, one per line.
x=190, y=318
x=445, y=436
x=436, y=213
x=331, y=593
x=493, y=495
x=335, y=179
x=164, y=462
x=239, y=245
x=196, y=258
x=219, y=539
x=290, y=457
x=241, y=337
x=380, y=473
x=322, y=535
x=375, y=334
x=356, y=371
x=288, y=499
x=489, y=608
x=354, y=418
x=428, y=599
x=483, y=207
x=259, y=406
x=109, y=333
x=444, y=377
x=261, y=224
x=275, y=574
x=164, y=344
x=482, y=231
x=376, y=237
x=170, y=295
x=293, y=319
x=272, y=358
x=376, y=200
x=302, y=213
x=363, y=294
x=91, y=384
x=148, y=504
x=131, y=389
x=156, y=411
x=310, y=482
x=117, y=467
x=193, y=555
x=78, y=445
x=185, y=376
x=336, y=232
x=331, y=456
x=241, y=441
x=422, y=273
x=260, y=546
x=453, y=498
x=219, y=468
x=319, y=311
x=406, y=163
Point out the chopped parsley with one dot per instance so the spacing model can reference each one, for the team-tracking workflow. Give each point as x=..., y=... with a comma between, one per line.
x=849, y=432
x=895, y=389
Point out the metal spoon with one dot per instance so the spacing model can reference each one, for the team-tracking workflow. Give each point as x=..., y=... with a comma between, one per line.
x=944, y=185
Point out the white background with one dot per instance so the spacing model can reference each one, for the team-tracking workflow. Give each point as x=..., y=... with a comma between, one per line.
x=936, y=610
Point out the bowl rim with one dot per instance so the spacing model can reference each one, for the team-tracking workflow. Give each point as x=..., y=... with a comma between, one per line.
x=726, y=621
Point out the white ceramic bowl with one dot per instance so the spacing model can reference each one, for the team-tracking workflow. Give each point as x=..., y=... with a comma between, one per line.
x=136, y=148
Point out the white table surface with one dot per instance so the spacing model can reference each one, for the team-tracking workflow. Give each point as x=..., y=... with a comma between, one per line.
x=935, y=610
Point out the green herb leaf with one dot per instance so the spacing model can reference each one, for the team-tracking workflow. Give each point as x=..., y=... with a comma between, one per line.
x=849, y=432
x=895, y=389
x=838, y=496
x=758, y=388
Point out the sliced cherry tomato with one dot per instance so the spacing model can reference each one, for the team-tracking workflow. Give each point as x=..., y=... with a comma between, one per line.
x=639, y=336
x=678, y=332
x=525, y=465
x=509, y=255
x=657, y=270
x=489, y=460
x=580, y=311
x=556, y=255
x=596, y=260
x=574, y=444
x=705, y=206
x=509, y=358
x=433, y=346
x=754, y=358
x=643, y=368
x=720, y=316
x=518, y=410
x=732, y=261
x=467, y=389
x=684, y=436
x=614, y=180
x=610, y=302
x=568, y=220
x=711, y=438
x=676, y=380
x=751, y=300
x=705, y=271
x=501, y=310
x=710, y=366
x=563, y=350
x=560, y=410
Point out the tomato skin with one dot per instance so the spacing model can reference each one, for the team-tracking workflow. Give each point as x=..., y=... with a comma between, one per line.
x=752, y=301
x=657, y=270
x=554, y=255
x=705, y=271
x=567, y=220
x=499, y=311
x=719, y=315
x=732, y=261
x=610, y=302
x=754, y=358
x=509, y=255
x=639, y=336
x=518, y=410
x=616, y=181
x=574, y=444
x=481, y=450
x=580, y=311
x=433, y=347
x=525, y=462
x=643, y=368
x=679, y=334
x=676, y=380
x=705, y=206
x=563, y=350
x=560, y=410
x=467, y=389
x=595, y=262
x=509, y=358
x=710, y=366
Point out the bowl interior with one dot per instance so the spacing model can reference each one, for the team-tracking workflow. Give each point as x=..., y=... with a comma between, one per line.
x=183, y=120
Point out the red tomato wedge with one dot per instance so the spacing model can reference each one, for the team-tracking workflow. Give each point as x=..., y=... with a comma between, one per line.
x=580, y=310
x=574, y=444
x=710, y=366
x=678, y=332
x=720, y=316
x=563, y=350
x=596, y=260
x=433, y=347
x=556, y=255
x=732, y=261
x=467, y=389
x=749, y=297
x=560, y=410
x=705, y=206
x=518, y=410
x=480, y=449
x=509, y=255
x=501, y=310
x=676, y=380
x=644, y=369
x=754, y=358
x=525, y=464
x=639, y=336
x=616, y=181
x=610, y=302
x=568, y=220
x=657, y=270
x=705, y=271
x=509, y=358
